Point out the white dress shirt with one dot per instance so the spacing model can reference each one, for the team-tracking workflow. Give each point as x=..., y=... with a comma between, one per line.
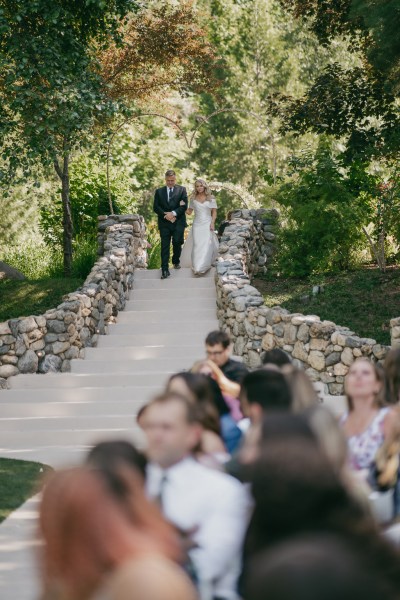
x=218, y=505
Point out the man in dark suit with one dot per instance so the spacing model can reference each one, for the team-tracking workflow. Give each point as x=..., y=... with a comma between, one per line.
x=170, y=204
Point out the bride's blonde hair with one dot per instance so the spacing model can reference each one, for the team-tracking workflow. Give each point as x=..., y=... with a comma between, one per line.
x=207, y=189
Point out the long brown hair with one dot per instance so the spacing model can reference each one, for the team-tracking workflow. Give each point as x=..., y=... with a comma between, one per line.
x=392, y=371
x=87, y=534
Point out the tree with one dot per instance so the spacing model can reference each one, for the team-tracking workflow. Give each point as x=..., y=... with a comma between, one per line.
x=50, y=89
x=70, y=68
x=358, y=102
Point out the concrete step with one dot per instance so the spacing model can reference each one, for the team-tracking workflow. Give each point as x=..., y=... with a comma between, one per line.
x=76, y=380
x=145, y=365
x=172, y=294
x=54, y=438
x=172, y=315
x=117, y=338
x=184, y=273
x=87, y=395
x=145, y=352
x=199, y=327
x=67, y=423
x=159, y=303
x=175, y=283
x=127, y=406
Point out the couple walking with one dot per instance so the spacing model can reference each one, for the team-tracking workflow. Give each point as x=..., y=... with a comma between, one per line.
x=171, y=205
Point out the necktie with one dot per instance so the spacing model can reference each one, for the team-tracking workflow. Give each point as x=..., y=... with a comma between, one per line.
x=170, y=190
x=161, y=491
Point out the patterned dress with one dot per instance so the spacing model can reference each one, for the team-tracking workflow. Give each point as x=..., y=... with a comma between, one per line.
x=364, y=446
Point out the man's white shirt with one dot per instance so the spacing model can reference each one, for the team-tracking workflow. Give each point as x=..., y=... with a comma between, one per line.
x=195, y=496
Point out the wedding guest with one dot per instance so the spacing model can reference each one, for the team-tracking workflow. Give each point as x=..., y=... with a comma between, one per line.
x=392, y=372
x=368, y=421
x=276, y=356
x=209, y=504
x=93, y=548
x=263, y=391
x=303, y=392
x=218, y=349
x=230, y=389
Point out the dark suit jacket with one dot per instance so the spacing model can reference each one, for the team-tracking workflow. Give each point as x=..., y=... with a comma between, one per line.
x=162, y=206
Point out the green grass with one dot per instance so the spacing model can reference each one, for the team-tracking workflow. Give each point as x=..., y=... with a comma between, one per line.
x=24, y=298
x=19, y=479
x=364, y=300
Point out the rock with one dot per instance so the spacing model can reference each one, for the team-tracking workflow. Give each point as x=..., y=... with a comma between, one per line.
x=26, y=325
x=66, y=366
x=313, y=374
x=8, y=272
x=317, y=360
x=50, y=364
x=3, y=383
x=278, y=330
x=335, y=389
x=347, y=357
x=254, y=359
x=9, y=359
x=240, y=304
x=303, y=334
x=28, y=362
x=322, y=330
x=327, y=378
x=340, y=369
x=4, y=329
x=332, y=358
x=8, y=371
x=300, y=352
x=318, y=344
x=60, y=347
x=379, y=351
x=268, y=342
x=55, y=326
x=290, y=333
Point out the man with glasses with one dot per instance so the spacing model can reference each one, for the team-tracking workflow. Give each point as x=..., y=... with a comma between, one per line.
x=218, y=349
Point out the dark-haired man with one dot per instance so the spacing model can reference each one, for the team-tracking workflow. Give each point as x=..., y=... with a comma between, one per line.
x=262, y=391
x=218, y=349
x=170, y=205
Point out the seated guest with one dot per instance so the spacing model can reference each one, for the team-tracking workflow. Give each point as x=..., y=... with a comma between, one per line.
x=230, y=389
x=197, y=388
x=210, y=505
x=303, y=392
x=392, y=372
x=368, y=421
x=93, y=548
x=218, y=349
x=263, y=391
x=276, y=356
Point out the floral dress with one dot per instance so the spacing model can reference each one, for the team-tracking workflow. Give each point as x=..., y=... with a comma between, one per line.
x=364, y=446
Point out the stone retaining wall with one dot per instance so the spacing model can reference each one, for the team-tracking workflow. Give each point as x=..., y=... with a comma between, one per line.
x=324, y=349
x=39, y=344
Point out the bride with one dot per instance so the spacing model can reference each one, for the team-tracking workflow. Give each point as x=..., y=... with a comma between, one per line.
x=201, y=247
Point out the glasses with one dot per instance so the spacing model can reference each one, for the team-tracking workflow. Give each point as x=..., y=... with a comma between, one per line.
x=215, y=352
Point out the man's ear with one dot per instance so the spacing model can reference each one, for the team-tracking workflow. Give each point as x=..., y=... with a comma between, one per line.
x=255, y=412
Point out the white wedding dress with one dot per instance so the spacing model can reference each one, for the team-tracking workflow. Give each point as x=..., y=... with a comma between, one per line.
x=201, y=247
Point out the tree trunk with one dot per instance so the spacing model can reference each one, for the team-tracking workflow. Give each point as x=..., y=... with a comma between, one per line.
x=67, y=216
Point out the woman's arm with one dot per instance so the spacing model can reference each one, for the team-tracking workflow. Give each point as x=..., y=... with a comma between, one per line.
x=213, y=217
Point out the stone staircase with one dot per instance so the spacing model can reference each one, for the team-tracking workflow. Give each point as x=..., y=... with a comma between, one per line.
x=56, y=418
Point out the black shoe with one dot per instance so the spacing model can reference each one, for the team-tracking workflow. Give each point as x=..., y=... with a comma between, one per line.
x=168, y=273
x=164, y=274
x=177, y=266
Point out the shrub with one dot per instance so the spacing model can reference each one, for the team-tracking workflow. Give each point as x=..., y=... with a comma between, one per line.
x=322, y=219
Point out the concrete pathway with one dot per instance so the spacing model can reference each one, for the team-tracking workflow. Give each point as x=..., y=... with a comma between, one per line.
x=56, y=418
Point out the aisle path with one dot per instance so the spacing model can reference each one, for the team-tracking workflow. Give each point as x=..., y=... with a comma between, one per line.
x=54, y=419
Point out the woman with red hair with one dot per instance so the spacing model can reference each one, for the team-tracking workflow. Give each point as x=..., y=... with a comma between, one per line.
x=95, y=549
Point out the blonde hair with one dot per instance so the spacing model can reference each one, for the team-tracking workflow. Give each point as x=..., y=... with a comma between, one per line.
x=207, y=189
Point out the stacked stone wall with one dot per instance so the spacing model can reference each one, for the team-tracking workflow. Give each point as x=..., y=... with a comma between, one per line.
x=324, y=349
x=40, y=344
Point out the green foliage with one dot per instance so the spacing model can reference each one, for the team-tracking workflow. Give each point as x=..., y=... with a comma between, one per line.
x=19, y=479
x=88, y=198
x=363, y=299
x=323, y=217
x=37, y=261
x=154, y=251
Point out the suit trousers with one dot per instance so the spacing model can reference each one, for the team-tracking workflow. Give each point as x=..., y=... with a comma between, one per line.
x=168, y=233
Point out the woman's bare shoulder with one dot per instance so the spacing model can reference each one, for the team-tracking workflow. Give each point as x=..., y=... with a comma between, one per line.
x=149, y=578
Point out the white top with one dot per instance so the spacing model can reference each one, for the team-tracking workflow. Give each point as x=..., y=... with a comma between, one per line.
x=218, y=505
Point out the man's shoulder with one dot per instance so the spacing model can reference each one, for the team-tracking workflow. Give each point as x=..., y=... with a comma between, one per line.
x=160, y=189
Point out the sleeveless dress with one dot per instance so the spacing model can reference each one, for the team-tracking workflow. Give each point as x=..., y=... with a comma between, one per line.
x=201, y=247
x=364, y=446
